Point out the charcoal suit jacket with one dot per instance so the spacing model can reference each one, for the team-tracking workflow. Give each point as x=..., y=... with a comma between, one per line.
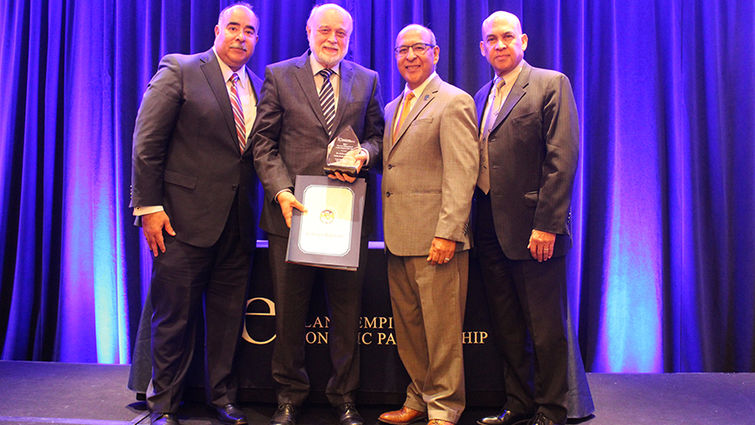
x=533, y=149
x=290, y=136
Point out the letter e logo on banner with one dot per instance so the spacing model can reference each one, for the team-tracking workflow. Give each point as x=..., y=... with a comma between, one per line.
x=268, y=312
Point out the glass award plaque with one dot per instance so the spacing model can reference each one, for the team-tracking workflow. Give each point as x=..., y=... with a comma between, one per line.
x=342, y=152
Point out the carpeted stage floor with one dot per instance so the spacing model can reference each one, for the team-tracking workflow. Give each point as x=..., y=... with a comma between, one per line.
x=89, y=394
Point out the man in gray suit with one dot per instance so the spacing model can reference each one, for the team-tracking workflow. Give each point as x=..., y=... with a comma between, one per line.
x=192, y=190
x=430, y=165
x=291, y=136
x=529, y=147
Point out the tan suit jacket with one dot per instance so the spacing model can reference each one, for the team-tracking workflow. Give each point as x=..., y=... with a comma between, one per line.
x=430, y=172
x=429, y=175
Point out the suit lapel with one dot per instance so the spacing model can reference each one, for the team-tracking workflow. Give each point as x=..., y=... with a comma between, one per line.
x=481, y=103
x=211, y=70
x=307, y=82
x=516, y=93
x=427, y=96
x=256, y=87
x=344, y=95
x=390, y=111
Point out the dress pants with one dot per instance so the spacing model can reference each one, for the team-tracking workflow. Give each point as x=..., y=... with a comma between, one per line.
x=182, y=277
x=428, y=303
x=527, y=305
x=293, y=291
x=140, y=372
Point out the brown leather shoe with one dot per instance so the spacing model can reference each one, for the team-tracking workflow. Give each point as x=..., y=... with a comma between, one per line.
x=439, y=422
x=404, y=416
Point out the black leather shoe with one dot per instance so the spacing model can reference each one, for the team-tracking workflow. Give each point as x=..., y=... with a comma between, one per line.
x=160, y=418
x=348, y=415
x=506, y=417
x=541, y=419
x=285, y=415
x=230, y=414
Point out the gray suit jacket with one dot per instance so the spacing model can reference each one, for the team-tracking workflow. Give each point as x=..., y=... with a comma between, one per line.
x=429, y=173
x=185, y=153
x=290, y=137
x=533, y=150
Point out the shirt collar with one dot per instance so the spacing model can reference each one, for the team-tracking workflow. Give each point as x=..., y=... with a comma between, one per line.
x=316, y=67
x=511, y=76
x=227, y=71
x=418, y=91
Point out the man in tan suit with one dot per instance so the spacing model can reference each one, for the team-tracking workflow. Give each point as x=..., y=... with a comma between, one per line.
x=430, y=165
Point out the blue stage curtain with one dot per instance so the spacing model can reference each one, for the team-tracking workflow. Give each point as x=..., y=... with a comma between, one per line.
x=662, y=274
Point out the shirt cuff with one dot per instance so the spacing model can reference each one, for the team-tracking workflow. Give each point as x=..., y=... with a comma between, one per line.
x=140, y=211
x=275, y=198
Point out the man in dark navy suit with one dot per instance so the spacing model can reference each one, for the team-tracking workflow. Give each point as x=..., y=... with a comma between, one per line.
x=192, y=189
x=529, y=141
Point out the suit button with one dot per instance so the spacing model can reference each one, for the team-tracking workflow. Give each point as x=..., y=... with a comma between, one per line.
x=235, y=186
x=387, y=194
x=390, y=166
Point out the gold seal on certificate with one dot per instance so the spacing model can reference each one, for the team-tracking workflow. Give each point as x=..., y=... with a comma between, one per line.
x=342, y=151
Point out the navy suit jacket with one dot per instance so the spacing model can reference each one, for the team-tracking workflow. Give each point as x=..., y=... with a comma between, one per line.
x=290, y=137
x=186, y=155
x=533, y=149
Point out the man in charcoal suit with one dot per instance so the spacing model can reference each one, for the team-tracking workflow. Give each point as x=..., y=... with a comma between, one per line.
x=192, y=191
x=308, y=101
x=528, y=148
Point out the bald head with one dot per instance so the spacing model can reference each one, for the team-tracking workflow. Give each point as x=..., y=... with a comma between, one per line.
x=501, y=16
x=424, y=31
x=503, y=43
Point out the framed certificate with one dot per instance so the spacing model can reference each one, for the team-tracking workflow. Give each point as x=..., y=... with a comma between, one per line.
x=328, y=234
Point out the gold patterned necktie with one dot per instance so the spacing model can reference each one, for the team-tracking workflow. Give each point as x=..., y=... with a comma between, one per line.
x=404, y=112
x=483, y=179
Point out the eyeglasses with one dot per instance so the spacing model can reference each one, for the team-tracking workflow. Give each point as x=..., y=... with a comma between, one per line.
x=418, y=48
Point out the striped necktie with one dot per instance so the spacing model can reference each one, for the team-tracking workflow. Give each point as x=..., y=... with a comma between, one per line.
x=238, y=112
x=327, y=99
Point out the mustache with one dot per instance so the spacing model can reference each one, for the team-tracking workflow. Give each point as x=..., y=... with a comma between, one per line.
x=238, y=46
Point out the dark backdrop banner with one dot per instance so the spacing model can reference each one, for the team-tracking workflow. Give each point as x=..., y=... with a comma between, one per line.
x=662, y=275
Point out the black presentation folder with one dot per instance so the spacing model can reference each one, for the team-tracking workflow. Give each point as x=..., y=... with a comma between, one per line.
x=328, y=234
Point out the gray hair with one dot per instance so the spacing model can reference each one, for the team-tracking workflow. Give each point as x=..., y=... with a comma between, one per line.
x=316, y=8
